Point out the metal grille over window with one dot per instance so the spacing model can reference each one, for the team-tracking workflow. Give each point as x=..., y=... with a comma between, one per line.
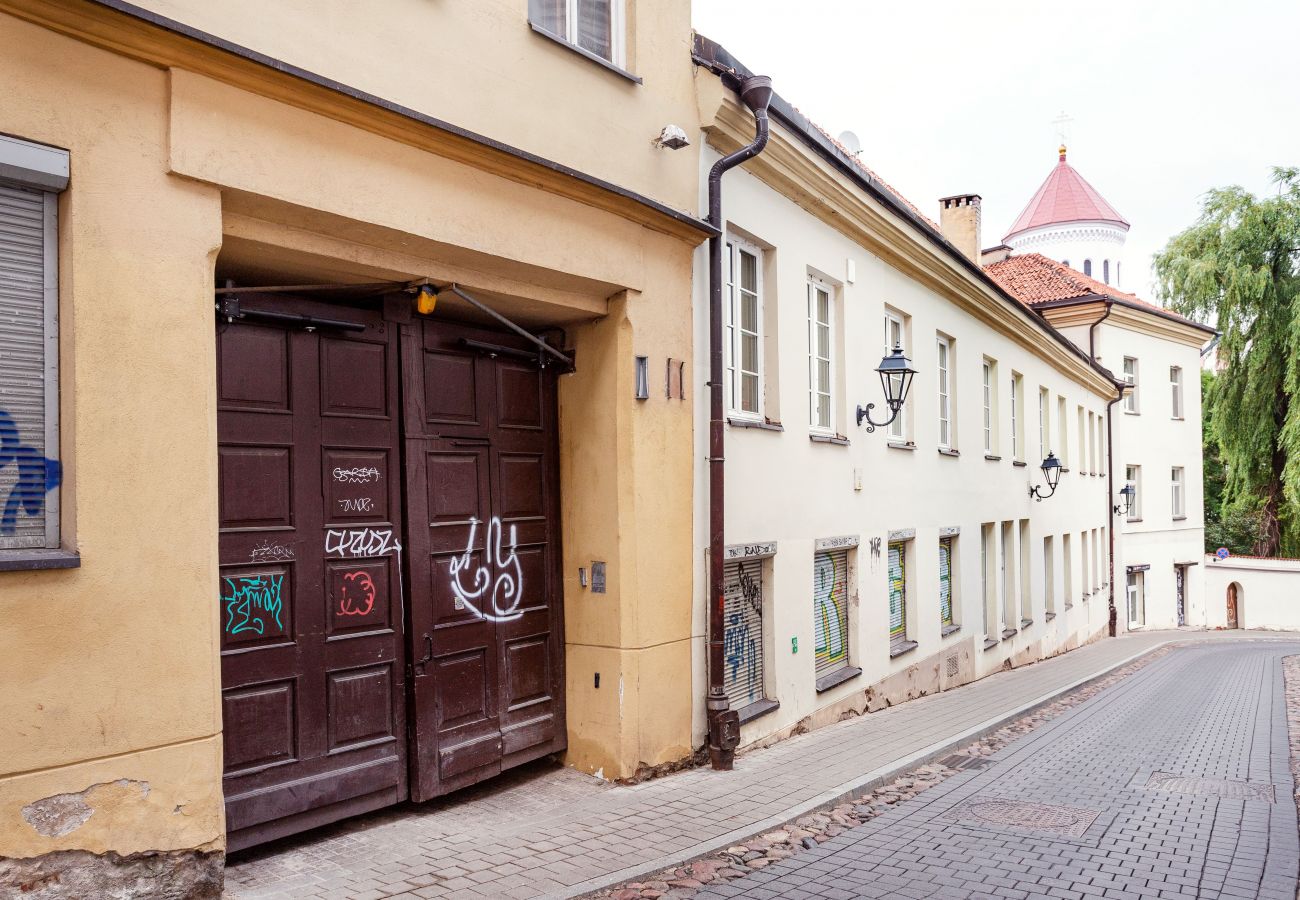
x=945, y=581
x=28, y=514
x=897, y=593
x=831, y=610
x=742, y=634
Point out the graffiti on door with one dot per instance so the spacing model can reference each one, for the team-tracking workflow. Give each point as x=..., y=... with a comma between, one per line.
x=37, y=476
x=830, y=609
x=495, y=599
x=357, y=594
x=252, y=603
x=356, y=475
x=359, y=542
x=740, y=645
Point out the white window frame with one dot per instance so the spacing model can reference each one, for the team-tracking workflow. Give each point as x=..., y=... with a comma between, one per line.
x=1063, y=425
x=1131, y=377
x=990, y=385
x=898, y=428
x=617, y=28
x=943, y=390
x=1044, y=422
x=1133, y=476
x=42, y=170
x=1136, y=596
x=1177, y=491
x=1176, y=391
x=815, y=389
x=733, y=388
x=1017, y=416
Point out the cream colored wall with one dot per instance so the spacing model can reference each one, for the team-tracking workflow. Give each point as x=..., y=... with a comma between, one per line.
x=1157, y=442
x=1268, y=594
x=481, y=67
x=111, y=670
x=783, y=487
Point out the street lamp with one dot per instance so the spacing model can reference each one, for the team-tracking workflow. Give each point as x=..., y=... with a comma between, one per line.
x=896, y=374
x=1051, y=474
x=1127, y=492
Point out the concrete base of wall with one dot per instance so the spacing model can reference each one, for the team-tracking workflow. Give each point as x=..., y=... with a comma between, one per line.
x=76, y=874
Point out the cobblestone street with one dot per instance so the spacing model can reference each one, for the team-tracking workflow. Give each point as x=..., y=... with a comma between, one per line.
x=1173, y=782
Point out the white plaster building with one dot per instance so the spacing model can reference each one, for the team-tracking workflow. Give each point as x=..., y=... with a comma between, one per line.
x=868, y=568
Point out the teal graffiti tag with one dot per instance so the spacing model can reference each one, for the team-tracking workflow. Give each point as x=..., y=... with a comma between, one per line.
x=252, y=601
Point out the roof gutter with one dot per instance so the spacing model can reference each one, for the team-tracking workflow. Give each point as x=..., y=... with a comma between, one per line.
x=1111, y=515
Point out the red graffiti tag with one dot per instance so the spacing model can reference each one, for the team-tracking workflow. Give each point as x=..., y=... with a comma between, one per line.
x=359, y=589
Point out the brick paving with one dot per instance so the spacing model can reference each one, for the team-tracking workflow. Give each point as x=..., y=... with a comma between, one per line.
x=1174, y=782
x=550, y=831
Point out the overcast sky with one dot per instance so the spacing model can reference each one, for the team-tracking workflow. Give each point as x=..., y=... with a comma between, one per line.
x=1168, y=98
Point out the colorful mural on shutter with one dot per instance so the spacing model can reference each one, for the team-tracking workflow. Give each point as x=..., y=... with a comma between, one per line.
x=945, y=581
x=831, y=610
x=742, y=635
x=897, y=593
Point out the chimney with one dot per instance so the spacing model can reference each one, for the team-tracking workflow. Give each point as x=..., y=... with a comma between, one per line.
x=959, y=220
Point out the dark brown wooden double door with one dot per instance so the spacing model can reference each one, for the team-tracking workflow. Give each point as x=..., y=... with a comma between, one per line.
x=328, y=603
x=480, y=437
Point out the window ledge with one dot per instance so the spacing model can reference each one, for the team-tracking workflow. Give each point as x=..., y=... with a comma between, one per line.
x=992, y=457
x=754, y=423
x=901, y=647
x=756, y=709
x=1177, y=419
x=948, y=451
x=1019, y=463
x=1049, y=615
x=1180, y=518
x=901, y=445
x=33, y=560
x=1025, y=623
x=990, y=643
x=1069, y=605
x=950, y=629
x=1009, y=633
x=1133, y=521
x=1064, y=469
x=598, y=60
x=826, y=682
x=1129, y=412
x=837, y=439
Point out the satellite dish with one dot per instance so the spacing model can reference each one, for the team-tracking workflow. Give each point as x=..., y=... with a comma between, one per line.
x=850, y=142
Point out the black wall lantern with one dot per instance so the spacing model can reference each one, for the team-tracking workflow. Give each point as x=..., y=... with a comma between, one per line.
x=1051, y=474
x=896, y=374
x=1126, y=493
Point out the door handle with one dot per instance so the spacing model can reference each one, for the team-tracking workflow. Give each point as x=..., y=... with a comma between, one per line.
x=428, y=653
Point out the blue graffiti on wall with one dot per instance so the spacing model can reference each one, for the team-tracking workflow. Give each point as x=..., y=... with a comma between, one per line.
x=252, y=602
x=37, y=476
x=739, y=649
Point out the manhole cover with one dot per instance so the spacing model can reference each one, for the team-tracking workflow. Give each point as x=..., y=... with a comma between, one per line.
x=962, y=761
x=1228, y=788
x=1067, y=821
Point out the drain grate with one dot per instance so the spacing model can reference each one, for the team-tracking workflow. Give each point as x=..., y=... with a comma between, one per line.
x=962, y=761
x=1064, y=821
x=1227, y=788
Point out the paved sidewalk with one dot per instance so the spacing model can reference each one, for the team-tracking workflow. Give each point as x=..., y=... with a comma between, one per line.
x=550, y=831
x=1171, y=783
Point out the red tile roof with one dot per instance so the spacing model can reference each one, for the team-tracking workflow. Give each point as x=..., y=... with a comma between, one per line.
x=1065, y=197
x=1033, y=279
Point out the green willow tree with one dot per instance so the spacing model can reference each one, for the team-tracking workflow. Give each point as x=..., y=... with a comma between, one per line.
x=1238, y=266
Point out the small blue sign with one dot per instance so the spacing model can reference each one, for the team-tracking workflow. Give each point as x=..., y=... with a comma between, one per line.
x=1222, y=553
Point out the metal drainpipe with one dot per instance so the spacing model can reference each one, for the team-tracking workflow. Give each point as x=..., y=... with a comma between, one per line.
x=724, y=722
x=1113, y=617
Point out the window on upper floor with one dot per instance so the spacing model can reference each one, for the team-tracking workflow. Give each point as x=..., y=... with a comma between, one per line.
x=743, y=338
x=1044, y=423
x=1131, y=376
x=1105, y=271
x=31, y=176
x=1177, y=503
x=1087, y=267
x=821, y=415
x=594, y=26
x=1133, y=477
x=990, y=369
x=896, y=336
x=1063, y=439
x=1176, y=391
x=943, y=361
x=1017, y=416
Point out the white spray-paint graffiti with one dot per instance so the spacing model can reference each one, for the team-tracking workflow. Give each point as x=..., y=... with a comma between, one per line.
x=356, y=475
x=359, y=504
x=267, y=552
x=494, y=599
x=359, y=542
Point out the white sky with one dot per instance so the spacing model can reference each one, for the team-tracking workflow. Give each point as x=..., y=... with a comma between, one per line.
x=1168, y=98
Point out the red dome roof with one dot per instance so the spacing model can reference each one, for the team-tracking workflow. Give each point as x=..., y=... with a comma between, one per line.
x=1065, y=197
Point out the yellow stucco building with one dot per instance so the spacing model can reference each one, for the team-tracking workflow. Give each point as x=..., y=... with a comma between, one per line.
x=276, y=557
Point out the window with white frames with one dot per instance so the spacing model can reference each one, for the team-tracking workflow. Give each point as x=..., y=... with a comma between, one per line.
x=594, y=26
x=1105, y=271
x=1017, y=416
x=896, y=336
x=1063, y=439
x=1176, y=391
x=1177, y=504
x=988, y=580
x=1133, y=477
x=1044, y=425
x=1087, y=267
x=1092, y=443
x=943, y=355
x=1137, y=603
x=31, y=177
x=1131, y=376
x=1049, y=576
x=743, y=310
x=990, y=385
x=820, y=415
x=1067, y=570
x=1082, y=461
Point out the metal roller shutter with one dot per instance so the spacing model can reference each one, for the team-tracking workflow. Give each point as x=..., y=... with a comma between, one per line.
x=26, y=519
x=897, y=593
x=945, y=581
x=831, y=610
x=742, y=635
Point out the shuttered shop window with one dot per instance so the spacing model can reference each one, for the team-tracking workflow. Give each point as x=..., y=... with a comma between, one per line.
x=29, y=470
x=742, y=635
x=831, y=610
x=945, y=581
x=897, y=592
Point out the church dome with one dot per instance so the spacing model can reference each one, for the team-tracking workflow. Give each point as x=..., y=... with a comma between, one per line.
x=1065, y=197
